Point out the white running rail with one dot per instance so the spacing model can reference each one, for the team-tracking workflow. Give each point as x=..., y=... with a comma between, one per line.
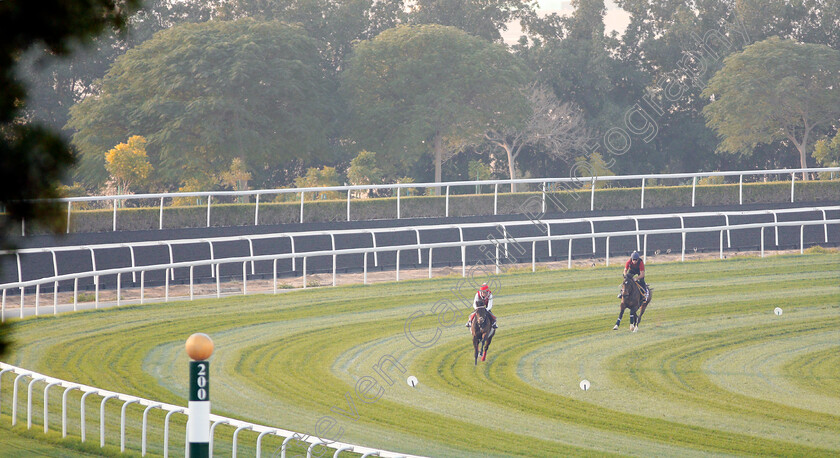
x=546, y=184
x=22, y=375
x=461, y=245
x=417, y=229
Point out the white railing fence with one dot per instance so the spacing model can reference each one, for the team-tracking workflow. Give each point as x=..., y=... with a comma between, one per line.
x=212, y=242
x=545, y=184
x=641, y=237
x=31, y=379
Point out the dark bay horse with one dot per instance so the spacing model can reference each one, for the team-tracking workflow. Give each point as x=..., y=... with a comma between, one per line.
x=631, y=297
x=482, y=332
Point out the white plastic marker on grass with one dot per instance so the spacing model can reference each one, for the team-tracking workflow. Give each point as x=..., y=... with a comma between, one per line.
x=412, y=381
x=584, y=385
x=778, y=311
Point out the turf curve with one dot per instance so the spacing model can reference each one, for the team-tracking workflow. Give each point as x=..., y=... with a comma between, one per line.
x=712, y=370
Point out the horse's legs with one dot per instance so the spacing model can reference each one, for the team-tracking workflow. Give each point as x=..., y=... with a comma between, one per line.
x=641, y=312
x=475, y=346
x=487, y=341
x=620, y=314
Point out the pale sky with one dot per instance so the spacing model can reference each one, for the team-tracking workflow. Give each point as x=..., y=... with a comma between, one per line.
x=616, y=18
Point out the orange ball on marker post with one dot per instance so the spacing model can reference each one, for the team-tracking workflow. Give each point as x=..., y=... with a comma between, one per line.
x=199, y=346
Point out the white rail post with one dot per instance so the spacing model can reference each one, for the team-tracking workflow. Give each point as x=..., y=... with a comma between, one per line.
x=693, y=189
x=792, y=184
x=398, y=265
x=802, y=239
x=160, y=218
x=682, y=255
x=122, y=423
x=644, y=249
x=260, y=438
x=304, y=272
x=312, y=446
x=398, y=203
x=257, y=211
x=543, y=197
x=592, y=195
x=64, y=410
x=69, y=210
x=570, y=253
x=364, y=269
x=334, y=256
x=15, y=397
x=82, y=411
x=102, y=419
x=166, y=431
x=115, y=216
x=245, y=278
x=533, y=256
x=46, y=405
x=144, y=427
x=496, y=199
x=213, y=431
x=762, y=242
x=236, y=438
x=430, y=261
x=447, y=201
x=608, y=252
x=301, y=206
x=643, y=193
x=721, y=244
x=209, y=199
x=741, y=189
x=348, y=205
x=29, y=401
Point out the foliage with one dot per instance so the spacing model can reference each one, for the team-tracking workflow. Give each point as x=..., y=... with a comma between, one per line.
x=129, y=164
x=775, y=90
x=335, y=24
x=415, y=90
x=364, y=170
x=827, y=152
x=33, y=157
x=713, y=179
x=315, y=178
x=557, y=129
x=202, y=94
x=481, y=18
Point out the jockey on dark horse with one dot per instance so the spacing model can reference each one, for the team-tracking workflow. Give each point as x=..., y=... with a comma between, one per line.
x=483, y=298
x=635, y=266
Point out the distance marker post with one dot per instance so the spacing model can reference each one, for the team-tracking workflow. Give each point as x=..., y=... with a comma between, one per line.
x=199, y=348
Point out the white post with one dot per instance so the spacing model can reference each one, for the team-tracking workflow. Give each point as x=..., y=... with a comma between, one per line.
x=741, y=189
x=160, y=218
x=792, y=184
x=495, y=199
x=447, y=201
x=301, y=206
x=209, y=198
x=199, y=348
x=398, y=203
x=257, y=211
x=693, y=189
x=643, y=193
x=122, y=424
x=69, y=210
x=102, y=419
x=115, y=216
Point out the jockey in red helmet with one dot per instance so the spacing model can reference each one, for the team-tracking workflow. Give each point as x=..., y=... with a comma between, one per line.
x=483, y=298
x=636, y=266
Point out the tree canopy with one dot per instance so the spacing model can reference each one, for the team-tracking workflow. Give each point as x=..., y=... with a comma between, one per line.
x=419, y=90
x=775, y=90
x=203, y=94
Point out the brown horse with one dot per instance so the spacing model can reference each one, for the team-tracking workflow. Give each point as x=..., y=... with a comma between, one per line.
x=631, y=297
x=482, y=332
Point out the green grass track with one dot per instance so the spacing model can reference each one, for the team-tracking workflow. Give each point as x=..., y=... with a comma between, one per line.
x=712, y=371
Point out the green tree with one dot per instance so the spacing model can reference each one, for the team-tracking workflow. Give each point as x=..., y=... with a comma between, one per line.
x=32, y=157
x=363, y=170
x=336, y=24
x=827, y=153
x=415, y=90
x=557, y=128
x=128, y=163
x=316, y=178
x=202, y=94
x=775, y=90
x=480, y=18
